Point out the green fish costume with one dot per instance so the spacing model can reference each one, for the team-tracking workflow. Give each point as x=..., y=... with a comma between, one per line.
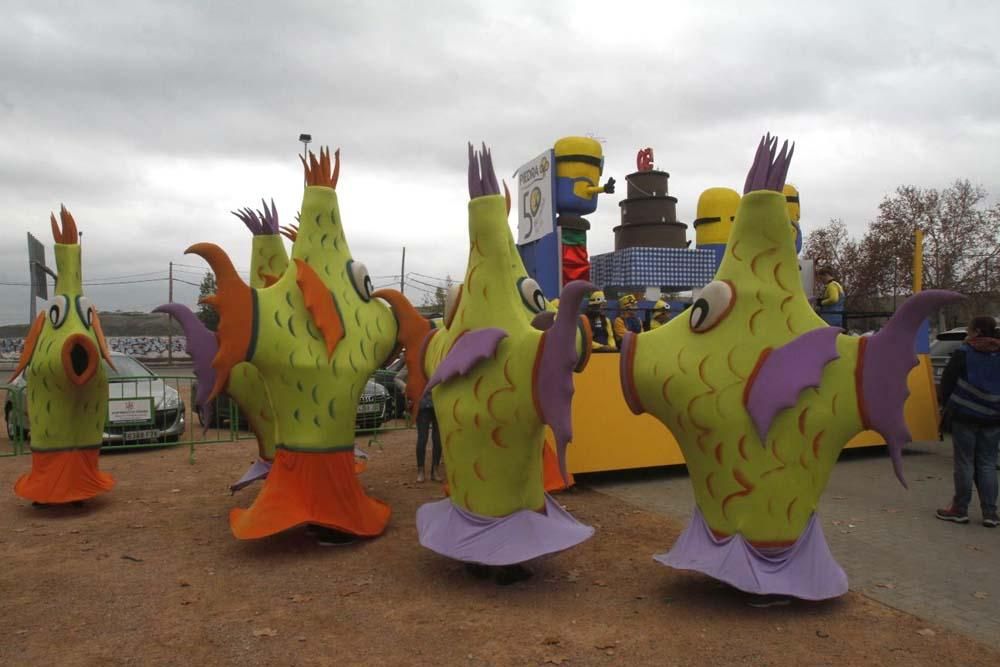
x=762, y=396
x=496, y=382
x=314, y=337
x=67, y=385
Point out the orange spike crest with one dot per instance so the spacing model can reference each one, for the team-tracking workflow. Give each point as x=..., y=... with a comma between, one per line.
x=68, y=234
x=318, y=171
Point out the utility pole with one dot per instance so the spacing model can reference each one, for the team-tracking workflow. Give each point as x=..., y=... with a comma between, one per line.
x=170, y=323
x=402, y=273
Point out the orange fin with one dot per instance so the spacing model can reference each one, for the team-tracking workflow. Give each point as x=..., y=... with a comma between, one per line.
x=321, y=305
x=413, y=331
x=29, y=344
x=235, y=302
x=102, y=342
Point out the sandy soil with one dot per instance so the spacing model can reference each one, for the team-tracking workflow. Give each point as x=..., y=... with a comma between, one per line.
x=150, y=575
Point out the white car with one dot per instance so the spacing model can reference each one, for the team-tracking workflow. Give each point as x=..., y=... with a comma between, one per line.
x=156, y=413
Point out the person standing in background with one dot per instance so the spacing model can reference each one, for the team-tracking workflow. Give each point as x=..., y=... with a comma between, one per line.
x=830, y=306
x=661, y=315
x=627, y=319
x=426, y=424
x=600, y=325
x=970, y=394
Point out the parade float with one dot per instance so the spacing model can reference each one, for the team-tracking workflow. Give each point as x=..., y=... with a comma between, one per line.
x=652, y=255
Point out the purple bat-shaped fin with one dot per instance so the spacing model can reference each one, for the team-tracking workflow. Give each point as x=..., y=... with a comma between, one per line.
x=888, y=358
x=202, y=346
x=471, y=348
x=787, y=371
x=554, y=382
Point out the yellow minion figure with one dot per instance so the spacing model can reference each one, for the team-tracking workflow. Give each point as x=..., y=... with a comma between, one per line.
x=579, y=164
x=794, y=213
x=715, y=216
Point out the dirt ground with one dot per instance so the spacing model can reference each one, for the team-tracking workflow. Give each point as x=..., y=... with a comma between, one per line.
x=150, y=575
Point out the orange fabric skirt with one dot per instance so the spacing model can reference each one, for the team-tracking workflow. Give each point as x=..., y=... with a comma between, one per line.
x=550, y=465
x=311, y=487
x=64, y=477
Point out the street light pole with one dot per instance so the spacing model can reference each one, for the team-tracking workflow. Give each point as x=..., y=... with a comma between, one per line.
x=305, y=139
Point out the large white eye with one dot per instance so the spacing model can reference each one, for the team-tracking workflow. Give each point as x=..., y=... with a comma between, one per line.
x=85, y=309
x=57, y=308
x=451, y=300
x=714, y=303
x=531, y=294
x=360, y=278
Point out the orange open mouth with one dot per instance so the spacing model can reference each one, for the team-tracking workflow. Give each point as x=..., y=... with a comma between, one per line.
x=79, y=359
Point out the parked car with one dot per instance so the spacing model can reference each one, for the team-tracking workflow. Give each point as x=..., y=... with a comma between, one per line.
x=386, y=377
x=129, y=379
x=373, y=409
x=944, y=344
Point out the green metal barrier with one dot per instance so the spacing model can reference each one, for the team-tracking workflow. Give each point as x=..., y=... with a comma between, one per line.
x=170, y=419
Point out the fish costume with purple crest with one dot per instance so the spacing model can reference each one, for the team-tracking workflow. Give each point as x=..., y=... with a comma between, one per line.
x=762, y=396
x=496, y=381
x=246, y=387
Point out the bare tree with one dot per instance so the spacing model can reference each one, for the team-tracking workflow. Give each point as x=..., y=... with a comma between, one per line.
x=961, y=245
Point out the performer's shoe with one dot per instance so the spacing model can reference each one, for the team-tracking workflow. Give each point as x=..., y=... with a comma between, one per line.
x=327, y=537
x=478, y=570
x=511, y=574
x=420, y=476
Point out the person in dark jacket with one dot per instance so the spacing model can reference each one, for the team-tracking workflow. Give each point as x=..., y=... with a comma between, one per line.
x=970, y=394
x=426, y=423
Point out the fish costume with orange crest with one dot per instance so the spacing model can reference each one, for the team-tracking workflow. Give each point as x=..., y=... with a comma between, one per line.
x=314, y=336
x=67, y=385
x=762, y=396
x=496, y=381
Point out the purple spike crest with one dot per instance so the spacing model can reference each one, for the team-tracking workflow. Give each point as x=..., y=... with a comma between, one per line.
x=769, y=171
x=482, y=177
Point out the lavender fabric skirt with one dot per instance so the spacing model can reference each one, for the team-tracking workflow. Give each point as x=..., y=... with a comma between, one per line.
x=516, y=538
x=806, y=569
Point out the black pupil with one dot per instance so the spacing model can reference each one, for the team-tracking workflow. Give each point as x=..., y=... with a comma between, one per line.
x=368, y=284
x=539, y=299
x=54, y=314
x=699, y=312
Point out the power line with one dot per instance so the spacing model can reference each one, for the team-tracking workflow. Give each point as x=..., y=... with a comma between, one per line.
x=424, y=275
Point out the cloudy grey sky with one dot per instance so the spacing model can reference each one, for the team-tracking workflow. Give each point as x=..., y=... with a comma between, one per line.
x=151, y=121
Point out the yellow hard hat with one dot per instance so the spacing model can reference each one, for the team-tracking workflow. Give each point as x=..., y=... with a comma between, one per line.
x=597, y=298
x=661, y=305
x=626, y=302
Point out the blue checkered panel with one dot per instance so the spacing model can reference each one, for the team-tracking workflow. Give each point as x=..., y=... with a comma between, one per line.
x=676, y=268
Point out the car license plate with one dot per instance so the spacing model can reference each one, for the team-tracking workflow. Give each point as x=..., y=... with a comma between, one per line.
x=140, y=435
x=369, y=407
